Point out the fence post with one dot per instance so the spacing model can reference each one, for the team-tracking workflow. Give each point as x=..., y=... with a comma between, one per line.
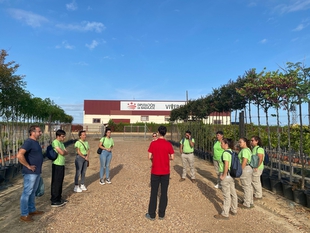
x=241, y=125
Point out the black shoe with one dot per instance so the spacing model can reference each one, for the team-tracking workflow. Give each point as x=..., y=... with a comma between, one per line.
x=58, y=204
x=147, y=215
x=64, y=200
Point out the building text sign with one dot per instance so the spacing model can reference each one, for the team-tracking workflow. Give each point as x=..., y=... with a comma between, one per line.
x=150, y=106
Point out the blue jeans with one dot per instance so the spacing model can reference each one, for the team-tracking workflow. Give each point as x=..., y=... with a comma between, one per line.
x=105, y=160
x=27, y=200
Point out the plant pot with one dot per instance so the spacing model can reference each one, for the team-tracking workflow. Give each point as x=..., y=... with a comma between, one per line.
x=9, y=173
x=300, y=197
x=307, y=193
x=266, y=181
x=2, y=174
x=276, y=186
x=17, y=169
x=287, y=190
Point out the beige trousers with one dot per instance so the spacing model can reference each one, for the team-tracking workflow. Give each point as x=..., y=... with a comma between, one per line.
x=188, y=159
x=257, y=185
x=246, y=182
x=230, y=196
x=216, y=167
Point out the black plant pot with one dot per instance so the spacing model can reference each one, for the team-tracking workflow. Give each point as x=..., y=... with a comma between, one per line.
x=9, y=173
x=300, y=197
x=2, y=174
x=276, y=186
x=17, y=169
x=307, y=193
x=266, y=181
x=287, y=190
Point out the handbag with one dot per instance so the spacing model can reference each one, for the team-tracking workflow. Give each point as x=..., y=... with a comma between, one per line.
x=99, y=149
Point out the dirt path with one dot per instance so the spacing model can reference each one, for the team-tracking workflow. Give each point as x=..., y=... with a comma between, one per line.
x=121, y=206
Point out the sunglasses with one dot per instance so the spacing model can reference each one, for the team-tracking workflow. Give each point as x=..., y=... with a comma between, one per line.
x=154, y=136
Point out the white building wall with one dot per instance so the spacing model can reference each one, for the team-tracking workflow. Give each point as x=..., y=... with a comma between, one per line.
x=88, y=119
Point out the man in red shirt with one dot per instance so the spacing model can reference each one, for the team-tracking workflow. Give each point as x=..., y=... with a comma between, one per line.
x=160, y=152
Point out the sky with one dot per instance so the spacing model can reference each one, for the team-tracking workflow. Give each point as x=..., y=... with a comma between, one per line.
x=72, y=50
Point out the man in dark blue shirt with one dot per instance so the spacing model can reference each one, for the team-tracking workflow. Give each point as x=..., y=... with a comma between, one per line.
x=31, y=157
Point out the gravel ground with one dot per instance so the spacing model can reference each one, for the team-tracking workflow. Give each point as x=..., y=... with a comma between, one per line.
x=121, y=206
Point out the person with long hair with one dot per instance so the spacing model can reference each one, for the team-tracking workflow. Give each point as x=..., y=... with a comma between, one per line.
x=244, y=156
x=257, y=149
x=227, y=183
x=81, y=161
x=217, y=153
x=106, y=143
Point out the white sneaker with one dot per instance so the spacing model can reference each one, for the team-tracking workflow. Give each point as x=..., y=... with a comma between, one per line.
x=83, y=187
x=108, y=181
x=216, y=186
x=77, y=189
x=101, y=181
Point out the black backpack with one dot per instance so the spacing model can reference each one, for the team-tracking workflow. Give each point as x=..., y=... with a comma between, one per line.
x=51, y=153
x=235, y=169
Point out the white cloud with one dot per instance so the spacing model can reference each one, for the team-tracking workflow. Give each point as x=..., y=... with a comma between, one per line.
x=299, y=27
x=71, y=6
x=93, y=45
x=81, y=63
x=83, y=26
x=65, y=45
x=263, y=41
x=297, y=5
x=107, y=57
x=31, y=19
x=252, y=4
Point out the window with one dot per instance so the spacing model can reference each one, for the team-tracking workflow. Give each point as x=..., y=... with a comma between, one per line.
x=144, y=118
x=96, y=120
x=167, y=118
x=217, y=122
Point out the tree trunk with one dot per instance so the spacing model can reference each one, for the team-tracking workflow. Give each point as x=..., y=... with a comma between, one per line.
x=269, y=139
x=258, y=120
x=301, y=156
x=250, y=117
x=279, y=146
x=289, y=140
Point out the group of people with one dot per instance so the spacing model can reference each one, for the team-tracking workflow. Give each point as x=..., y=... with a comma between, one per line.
x=160, y=152
x=31, y=157
x=250, y=178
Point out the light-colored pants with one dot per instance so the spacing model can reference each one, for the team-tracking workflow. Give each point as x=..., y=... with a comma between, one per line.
x=216, y=167
x=246, y=182
x=188, y=158
x=257, y=185
x=230, y=196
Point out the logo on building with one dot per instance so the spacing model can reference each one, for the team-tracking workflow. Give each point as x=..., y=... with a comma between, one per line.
x=131, y=106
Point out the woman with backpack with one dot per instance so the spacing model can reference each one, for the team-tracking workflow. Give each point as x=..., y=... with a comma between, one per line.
x=106, y=143
x=245, y=155
x=257, y=149
x=227, y=182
